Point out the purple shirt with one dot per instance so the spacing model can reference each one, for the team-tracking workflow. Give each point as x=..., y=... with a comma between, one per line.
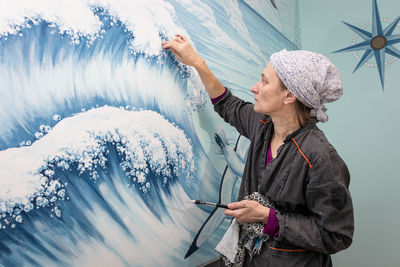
x=272, y=226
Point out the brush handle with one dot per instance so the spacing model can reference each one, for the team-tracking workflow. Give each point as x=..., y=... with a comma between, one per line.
x=222, y=206
x=219, y=205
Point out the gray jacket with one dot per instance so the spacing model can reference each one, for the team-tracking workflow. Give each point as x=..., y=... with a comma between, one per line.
x=307, y=181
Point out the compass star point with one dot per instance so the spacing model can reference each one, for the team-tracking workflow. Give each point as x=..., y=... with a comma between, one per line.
x=379, y=41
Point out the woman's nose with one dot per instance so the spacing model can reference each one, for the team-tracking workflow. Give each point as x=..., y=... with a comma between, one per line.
x=255, y=87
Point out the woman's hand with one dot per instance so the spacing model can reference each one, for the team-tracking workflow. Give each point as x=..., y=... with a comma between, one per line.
x=183, y=50
x=247, y=211
x=186, y=54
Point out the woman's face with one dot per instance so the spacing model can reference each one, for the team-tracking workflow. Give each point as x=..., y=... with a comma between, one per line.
x=268, y=94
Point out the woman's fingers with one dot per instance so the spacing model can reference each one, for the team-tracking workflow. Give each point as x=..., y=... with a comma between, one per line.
x=170, y=43
x=238, y=205
x=178, y=40
x=183, y=50
x=247, y=211
x=176, y=54
x=233, y=213
x=183, y=37
x=167, y=44
x=171, y=46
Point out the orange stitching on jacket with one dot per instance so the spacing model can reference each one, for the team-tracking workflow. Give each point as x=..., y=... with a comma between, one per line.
x=289, y=250
x=265, y=122
x=302, y=153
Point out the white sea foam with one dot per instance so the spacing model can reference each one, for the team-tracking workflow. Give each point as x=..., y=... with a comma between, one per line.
x=138, y=17
x=72, y=16
x=76, y=18
x=145, y=140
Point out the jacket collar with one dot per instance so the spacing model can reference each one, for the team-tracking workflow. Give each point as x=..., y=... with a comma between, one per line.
x=311, y=123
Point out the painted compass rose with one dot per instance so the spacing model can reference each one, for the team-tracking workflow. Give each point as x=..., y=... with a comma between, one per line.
x=376, y=43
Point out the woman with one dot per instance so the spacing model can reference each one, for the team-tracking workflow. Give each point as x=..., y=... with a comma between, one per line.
x=294, y=205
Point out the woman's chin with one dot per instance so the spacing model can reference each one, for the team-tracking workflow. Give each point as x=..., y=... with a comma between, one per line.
x=259, y=109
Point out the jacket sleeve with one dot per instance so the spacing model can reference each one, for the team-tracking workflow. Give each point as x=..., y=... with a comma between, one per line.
x=330, y=226
x=238, y=113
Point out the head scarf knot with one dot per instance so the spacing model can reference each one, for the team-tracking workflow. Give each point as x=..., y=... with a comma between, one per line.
x=309, y=76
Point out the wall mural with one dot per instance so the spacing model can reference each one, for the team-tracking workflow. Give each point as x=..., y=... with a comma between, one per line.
x=282, y=14
x=105, y=137
x=379, y=42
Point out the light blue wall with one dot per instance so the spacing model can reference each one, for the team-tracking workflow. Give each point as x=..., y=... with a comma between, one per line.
x=363, y=126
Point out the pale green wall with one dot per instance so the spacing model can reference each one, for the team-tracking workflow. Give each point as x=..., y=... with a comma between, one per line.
x=363, y=126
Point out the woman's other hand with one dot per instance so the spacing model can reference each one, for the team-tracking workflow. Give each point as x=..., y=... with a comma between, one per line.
x=248, y=211
x=183, y=50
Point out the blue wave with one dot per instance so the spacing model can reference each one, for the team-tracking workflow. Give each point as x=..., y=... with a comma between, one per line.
x=96, y=179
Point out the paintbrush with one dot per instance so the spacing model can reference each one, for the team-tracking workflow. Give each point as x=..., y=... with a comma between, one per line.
x=199, y=202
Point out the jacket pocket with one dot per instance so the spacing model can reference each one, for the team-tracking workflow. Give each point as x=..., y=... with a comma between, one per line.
x=281, y=251
x=291, y=256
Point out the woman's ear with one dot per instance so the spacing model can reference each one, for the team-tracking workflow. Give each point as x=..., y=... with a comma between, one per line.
x=289, y=97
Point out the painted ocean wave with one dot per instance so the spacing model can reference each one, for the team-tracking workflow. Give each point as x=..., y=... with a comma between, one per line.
x=106, y=180
x=146, y=143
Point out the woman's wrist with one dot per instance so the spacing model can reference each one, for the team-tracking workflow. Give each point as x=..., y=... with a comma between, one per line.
x=265, y=214
x=211, y=83
x=199, y=64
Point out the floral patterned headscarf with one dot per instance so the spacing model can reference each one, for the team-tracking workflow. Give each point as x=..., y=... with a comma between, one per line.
x=311, y=77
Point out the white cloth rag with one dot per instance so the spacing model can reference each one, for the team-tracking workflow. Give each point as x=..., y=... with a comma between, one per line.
x=228, y=246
